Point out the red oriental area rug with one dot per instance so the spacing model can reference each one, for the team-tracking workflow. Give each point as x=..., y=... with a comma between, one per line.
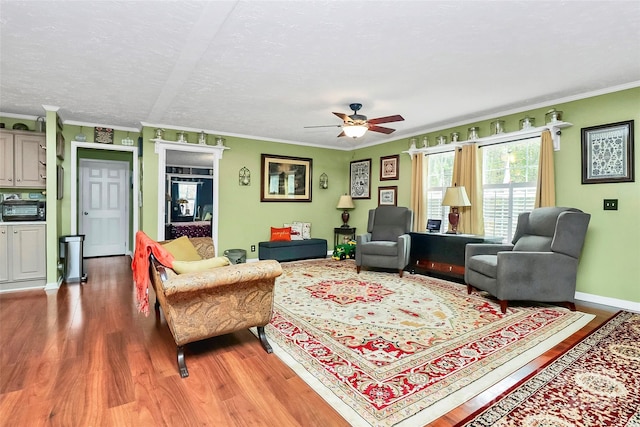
x=390, y=351
x=595, y=383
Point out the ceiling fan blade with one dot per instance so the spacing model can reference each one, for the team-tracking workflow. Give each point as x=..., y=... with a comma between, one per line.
x=381, y=129
x=323, y=126
x=344, y=117
x=388, y=119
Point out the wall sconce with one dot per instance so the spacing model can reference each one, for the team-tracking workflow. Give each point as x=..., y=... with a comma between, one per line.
x=324, y=181
x=244, y=176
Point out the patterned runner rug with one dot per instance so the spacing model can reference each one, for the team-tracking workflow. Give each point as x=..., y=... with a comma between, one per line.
x=595, y=383
x=386, y=351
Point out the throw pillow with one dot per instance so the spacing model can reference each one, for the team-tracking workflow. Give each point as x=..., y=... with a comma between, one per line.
x=182, y=267
x=182, y=249
x=283, y=234
x=306, y=229
x=296, y=230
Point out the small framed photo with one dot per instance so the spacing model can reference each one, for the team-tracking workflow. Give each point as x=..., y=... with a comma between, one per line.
x=607, y=153
x=285, y=179
x=389, y=167
x=388, y=196
x=360, y=179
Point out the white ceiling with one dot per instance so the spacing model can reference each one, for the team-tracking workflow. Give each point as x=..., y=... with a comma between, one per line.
x=266, y=69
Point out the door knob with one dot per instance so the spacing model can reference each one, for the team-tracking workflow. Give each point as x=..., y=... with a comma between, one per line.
x=86, y=213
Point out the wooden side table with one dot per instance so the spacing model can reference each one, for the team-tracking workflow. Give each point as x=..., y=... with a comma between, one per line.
x=342, y=231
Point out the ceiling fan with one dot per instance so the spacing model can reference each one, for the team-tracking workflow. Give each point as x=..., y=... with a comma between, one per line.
x=356, y=125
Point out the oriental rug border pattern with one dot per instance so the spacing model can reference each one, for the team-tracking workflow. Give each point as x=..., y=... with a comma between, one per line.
x=385, y=350
x=596, y=382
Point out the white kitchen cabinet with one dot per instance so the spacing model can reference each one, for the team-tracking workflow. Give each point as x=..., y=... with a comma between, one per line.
x=23, y=159
x=22, y=256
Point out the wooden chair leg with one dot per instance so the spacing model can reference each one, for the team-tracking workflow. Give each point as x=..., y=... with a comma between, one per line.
x=503, y=305
x=401, y=271
x=358, y=269
x=570, y=305
x=469, y=289
x=263, y=340
x=182, y=365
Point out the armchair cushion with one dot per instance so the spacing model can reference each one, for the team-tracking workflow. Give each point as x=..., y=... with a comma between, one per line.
x=533, y=244
x=485, y=264
x=386, y=232
x=383, y=248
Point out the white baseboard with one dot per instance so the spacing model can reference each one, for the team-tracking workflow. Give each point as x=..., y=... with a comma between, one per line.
x=613, y=302
x=53, y=286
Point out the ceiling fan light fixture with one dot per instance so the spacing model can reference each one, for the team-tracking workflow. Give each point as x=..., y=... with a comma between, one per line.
x=354, y=131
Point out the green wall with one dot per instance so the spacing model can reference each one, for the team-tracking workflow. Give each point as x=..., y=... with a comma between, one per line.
x=610, y=264
x=243, y=219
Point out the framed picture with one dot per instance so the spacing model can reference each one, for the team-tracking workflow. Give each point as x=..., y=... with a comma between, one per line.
x=285, y=179
x=103, y=135
x=60, y=182
x=59, y=145
x=360, y=179
x=389, y=167
x=607, y=153
x=388, y=196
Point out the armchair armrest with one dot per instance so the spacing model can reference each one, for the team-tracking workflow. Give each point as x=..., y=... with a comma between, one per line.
x=540, y=276
x=234, y=274
x=472, y=249
x=363, y=238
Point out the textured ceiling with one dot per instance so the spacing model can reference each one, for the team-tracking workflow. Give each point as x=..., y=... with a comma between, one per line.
x=266, y=69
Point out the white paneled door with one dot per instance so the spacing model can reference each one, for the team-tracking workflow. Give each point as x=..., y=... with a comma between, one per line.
x=104, y=207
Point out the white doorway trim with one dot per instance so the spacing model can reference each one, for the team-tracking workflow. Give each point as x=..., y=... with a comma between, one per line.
x=161, y=147
x=135, y=206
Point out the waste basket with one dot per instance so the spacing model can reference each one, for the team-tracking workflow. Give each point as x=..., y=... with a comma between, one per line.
x=236, y=256
x=71, y=258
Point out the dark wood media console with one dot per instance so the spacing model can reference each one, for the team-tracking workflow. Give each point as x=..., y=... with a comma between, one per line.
x=442, y=254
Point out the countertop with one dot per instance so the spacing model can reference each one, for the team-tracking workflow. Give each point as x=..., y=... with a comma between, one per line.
x=23, y=222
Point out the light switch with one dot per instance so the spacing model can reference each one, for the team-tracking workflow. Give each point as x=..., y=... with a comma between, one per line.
x=610, y=204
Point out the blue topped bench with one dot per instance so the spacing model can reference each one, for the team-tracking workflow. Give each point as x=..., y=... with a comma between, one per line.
x=292, y=250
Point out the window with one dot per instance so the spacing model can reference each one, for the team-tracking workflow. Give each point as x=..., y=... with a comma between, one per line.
x=509, y=177
x=440, y=172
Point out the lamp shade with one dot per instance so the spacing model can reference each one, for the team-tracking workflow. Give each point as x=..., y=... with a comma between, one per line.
x=354, y=131
x=345, y=202
x=456, y=196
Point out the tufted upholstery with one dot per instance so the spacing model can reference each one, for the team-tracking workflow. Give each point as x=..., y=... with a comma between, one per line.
x=219, y=301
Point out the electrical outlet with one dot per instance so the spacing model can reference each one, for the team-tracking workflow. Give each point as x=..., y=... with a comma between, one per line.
x=610, y=204
x=253, y=248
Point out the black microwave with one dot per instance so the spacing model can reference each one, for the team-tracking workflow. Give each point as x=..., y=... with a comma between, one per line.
x=24, y=210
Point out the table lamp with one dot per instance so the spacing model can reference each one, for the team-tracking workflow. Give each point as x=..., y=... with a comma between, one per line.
x=345, y=203
x=455, y=197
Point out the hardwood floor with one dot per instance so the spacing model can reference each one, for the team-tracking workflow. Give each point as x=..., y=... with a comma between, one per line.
x=84, y=356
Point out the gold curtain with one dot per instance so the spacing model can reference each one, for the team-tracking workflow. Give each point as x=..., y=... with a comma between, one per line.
x=467, y=172
x=419, y=191
x=546, y=188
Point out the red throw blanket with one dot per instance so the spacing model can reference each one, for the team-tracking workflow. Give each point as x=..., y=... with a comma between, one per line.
x=140, y=266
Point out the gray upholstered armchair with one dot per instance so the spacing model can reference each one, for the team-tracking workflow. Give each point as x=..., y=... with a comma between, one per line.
x=540, y=265
x=387, y=243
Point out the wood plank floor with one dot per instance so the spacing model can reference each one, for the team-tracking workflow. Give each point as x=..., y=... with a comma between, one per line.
x=83, y=356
